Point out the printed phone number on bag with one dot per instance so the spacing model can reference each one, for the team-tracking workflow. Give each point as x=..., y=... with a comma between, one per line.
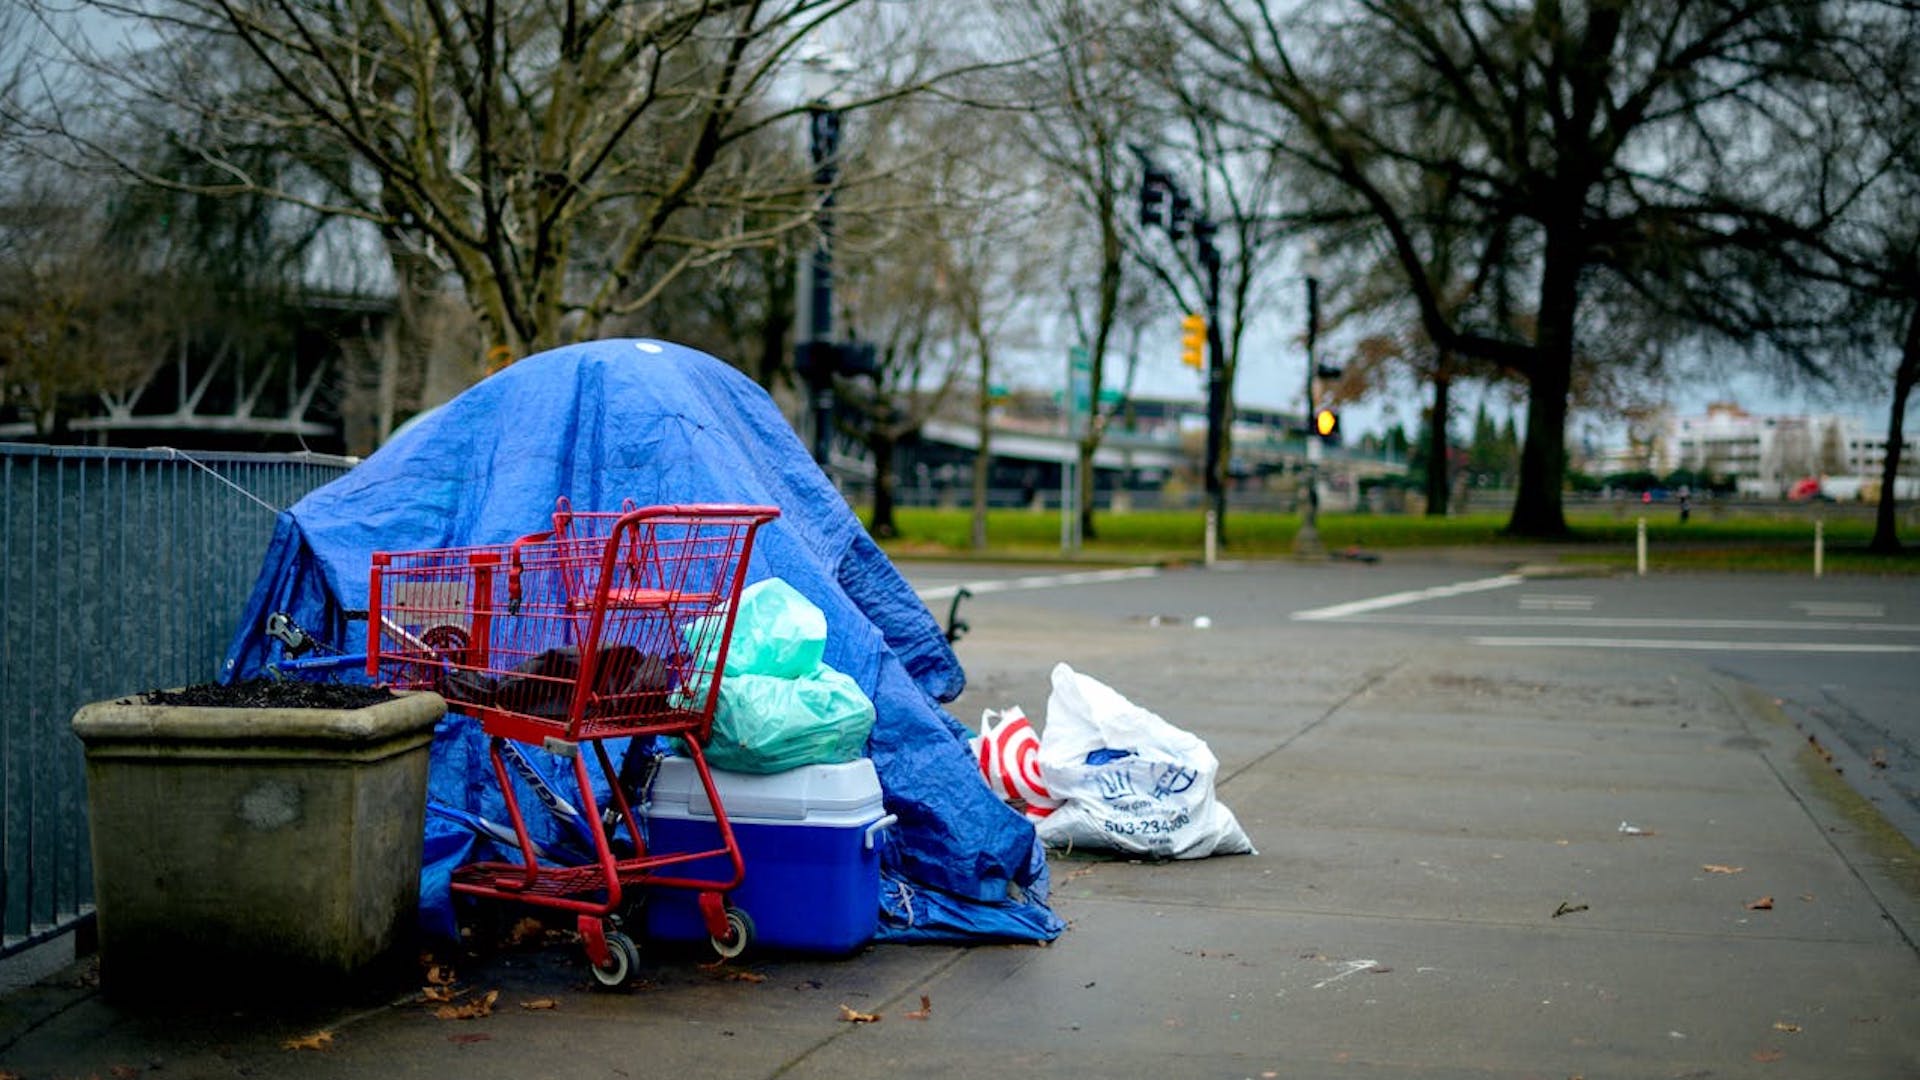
x=1149, y=826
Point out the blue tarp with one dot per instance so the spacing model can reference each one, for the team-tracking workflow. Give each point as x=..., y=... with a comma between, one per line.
x=660, y=423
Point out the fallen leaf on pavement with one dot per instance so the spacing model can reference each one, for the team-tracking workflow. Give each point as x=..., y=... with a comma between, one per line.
x=527, y=929
x=1879, y=758
x=925, y=1010
x=471, y=1010
x=854, y=1016
x=440, y=975
x=1825, y=754
x=540, y=1003
x=1769, y=1055
x=469, y=1037
x=124, y=1072
x=434, y=995
x=319, y=1040
x=1782, y=1025
x=1718, y=868
x=1765, y=903
x=736, y=975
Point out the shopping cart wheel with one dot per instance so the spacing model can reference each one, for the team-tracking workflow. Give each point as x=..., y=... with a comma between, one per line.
x=623, y=959
x=739, y=934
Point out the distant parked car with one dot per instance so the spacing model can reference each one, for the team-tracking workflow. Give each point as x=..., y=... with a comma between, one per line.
x=1807, y=489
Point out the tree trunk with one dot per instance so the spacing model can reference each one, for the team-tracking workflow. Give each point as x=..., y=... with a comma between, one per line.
x=983, y=456
x=777, y=327
x=880, y=444
x=1112, y=252
x=1437, y=478
x=1084, y=484
x=1886, y=534
x=1537, y=507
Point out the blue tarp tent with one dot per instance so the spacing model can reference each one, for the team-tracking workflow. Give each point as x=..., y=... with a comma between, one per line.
x=659, y=423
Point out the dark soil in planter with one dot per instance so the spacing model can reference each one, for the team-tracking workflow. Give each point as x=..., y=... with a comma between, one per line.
x=272, y=694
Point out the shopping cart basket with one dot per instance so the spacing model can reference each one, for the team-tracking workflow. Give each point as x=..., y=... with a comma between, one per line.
x=608, y=626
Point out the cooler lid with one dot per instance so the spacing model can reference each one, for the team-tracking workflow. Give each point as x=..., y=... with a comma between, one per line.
x=810, y=792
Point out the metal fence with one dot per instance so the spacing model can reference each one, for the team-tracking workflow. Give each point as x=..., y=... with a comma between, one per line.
x=126, y=571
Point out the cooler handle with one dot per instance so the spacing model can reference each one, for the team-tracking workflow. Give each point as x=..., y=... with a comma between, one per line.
x=873, y=830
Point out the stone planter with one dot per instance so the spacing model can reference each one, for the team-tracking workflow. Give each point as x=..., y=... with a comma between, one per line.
x=254, y=850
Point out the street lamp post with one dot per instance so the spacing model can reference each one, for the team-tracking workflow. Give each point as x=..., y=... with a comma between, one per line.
x=1216, y=375
x=817, y=361
x=1307, y=541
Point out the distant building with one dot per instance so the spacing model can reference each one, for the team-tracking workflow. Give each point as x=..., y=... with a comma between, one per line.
x=1768, y=456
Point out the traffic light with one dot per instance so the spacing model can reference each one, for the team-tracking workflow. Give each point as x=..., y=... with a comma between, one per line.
x=1326, y=423
x=1193, y=340
x=1153, y=199
x=1180, y=217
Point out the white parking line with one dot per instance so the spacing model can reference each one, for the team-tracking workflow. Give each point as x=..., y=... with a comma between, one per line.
x=1555, y=602
x=1438, y=592
x=1837, y=609
x=1621, y=622
x=1686, y=643
x=1039, y=581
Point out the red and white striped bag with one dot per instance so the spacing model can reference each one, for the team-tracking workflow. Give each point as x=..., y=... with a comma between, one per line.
x=1008, y=750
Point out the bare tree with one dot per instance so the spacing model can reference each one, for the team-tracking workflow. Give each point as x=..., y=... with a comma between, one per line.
x=74, y=321
x=1874, y=246
x=1582, y=140
x=935, y=261
x=1237, y=224
x=1825, y=286
x=564, y=164
x=1078, y=102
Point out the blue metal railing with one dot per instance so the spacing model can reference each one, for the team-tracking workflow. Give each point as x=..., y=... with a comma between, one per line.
x=125, y=571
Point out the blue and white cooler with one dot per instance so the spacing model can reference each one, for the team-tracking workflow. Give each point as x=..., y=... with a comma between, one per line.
x=810, y=838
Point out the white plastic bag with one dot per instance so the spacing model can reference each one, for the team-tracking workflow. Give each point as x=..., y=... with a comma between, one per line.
x=1128, y=779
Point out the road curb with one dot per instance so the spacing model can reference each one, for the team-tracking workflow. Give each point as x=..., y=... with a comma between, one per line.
x=1812, y=763
x=1543, y=570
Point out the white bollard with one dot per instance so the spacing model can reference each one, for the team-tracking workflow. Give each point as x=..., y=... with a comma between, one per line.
x=1819, y=546
x=1213, y=536
x=1640, y=547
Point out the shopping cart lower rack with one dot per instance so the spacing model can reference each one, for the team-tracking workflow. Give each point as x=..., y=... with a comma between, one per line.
x=609, y=626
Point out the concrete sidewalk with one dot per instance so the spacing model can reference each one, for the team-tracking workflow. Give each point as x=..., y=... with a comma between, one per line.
x=1470, y=865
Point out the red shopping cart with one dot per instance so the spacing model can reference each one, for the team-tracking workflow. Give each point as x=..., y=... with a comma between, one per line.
x=609, y=625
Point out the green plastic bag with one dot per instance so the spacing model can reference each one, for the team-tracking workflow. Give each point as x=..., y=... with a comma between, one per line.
x=777, y=632
x=768, y=724
x=780, y=706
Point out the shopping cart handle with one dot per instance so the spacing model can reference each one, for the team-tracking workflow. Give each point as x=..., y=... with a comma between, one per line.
x=874, y=830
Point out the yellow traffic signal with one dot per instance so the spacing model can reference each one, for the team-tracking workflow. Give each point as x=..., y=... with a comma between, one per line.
x=1193, y=340
x=1326, y=422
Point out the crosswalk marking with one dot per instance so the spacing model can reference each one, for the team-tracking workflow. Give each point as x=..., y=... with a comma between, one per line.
x=1338, y=611
x=1840, y=609
x=1553, y=602
x=1688, y=643
x=1623, y=622
x=1039, y=581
